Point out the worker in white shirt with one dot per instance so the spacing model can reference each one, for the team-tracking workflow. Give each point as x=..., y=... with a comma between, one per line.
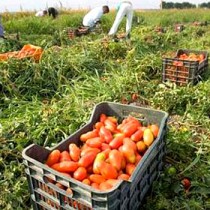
x=125, y=9
x=41, y=13
x=94, y=16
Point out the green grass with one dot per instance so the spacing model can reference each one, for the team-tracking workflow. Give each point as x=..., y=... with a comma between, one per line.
x=45, y=102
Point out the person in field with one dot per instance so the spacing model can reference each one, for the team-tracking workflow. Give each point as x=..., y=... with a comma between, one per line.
x=93, y=16
x=41, y=13
x=1, y=30
x=52, y=12
x=124, y=9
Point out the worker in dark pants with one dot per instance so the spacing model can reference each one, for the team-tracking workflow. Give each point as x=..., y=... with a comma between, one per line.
x=52, y=12
x=1, y=30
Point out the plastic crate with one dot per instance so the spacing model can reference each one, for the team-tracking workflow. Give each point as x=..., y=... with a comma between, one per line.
x=126, y=195
x=196, y=23
x=82, y=30
x=28, y=51
x=159, y=29
x=178, y=27
x=188, y=72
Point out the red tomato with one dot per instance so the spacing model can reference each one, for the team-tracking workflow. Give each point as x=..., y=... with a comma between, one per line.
x=130, y=143
x=98, y=125
x=96, y=178
x=74, y=151
x=129, y=128
x=64, y=156
x=86, y=181
x=53, y=157
x=186, y=183
x=106, y=152
x=103, y=118
x=155, y=129
x=123, y=165
x=117, y=141
x=141, y=146
x=90, y=134
x=105, y=186
x=134, y=96
x=113, y=182
x=131, y=119
x=129, y=153
x=90, y=169
x=105, y=134
x=124, y=177
x=110, y=125
x=105, y=146
x=98, y=161
x=138, y=135
x=113, y=119
x=115, y=159
x=201, y=57
x=120, y=126
x=95, y=142
x=88, y=149
x=130, y=168
x=87, y=159
x=77, y=205
x=108, y=171
x=80, y=173
x=65, y=166
x=95, y=185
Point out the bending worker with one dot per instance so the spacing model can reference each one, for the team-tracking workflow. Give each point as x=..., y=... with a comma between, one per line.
x=94, y=16
x=1, y=30
x=41, y=13
x=51, y=11
x=125, y=8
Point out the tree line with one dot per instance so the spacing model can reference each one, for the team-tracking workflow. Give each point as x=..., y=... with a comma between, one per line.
x=184, y=5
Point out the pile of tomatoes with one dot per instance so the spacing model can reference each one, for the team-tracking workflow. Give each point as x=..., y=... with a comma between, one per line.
x=189, y=57
x=109, y=152
x=192, y=57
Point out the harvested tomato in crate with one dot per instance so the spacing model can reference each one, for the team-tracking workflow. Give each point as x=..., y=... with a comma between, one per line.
x=186, y=67
x=110, y=163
